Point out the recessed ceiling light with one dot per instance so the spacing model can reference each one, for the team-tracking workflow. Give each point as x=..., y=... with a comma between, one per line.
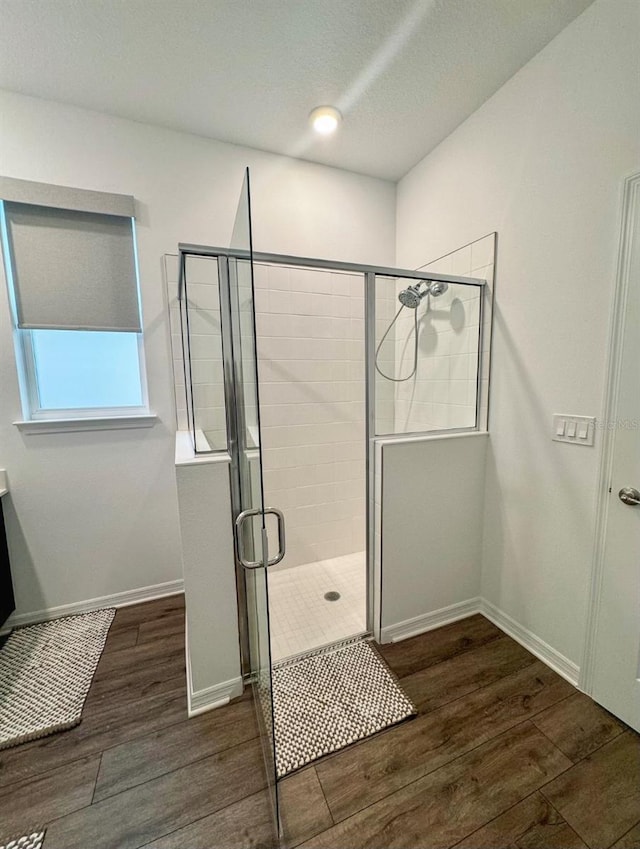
x=325, y=119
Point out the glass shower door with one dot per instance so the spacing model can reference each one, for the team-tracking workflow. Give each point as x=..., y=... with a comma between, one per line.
x=251, y=540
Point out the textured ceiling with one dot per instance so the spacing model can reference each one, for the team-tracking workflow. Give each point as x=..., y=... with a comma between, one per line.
x=405, y=73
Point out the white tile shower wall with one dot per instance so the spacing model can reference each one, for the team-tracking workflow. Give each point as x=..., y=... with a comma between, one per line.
x=205, y=346
x=386, y=307
x=310, y=327
x=442, y=395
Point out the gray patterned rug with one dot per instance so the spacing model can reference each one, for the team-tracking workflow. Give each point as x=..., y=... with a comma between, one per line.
x=45, y=674
x=28, y=841
x=326, y=701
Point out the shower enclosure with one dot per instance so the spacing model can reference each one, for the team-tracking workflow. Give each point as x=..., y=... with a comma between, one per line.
x=299, y=369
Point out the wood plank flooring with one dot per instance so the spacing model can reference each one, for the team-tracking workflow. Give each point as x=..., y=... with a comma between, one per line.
x=503, y=753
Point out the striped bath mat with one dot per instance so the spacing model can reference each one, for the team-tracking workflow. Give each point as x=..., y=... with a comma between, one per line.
x=45, y=674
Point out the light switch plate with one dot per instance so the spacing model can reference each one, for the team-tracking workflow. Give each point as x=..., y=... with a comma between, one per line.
x=582, y=427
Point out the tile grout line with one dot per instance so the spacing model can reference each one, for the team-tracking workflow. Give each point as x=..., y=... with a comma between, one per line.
x=622, y=836
x=442, y=659
x=501, y=678
x=564, y=820
x=165, y=728
x=176, y=769
x=135, y=786
x=95, y=783
x=573, y=765
x=528, y=719
x=97, y=754
x=5, y=789
x=326, y=801
x=441, y=766
x=45, y=824
x=95, y=710
x=328, y=757
x=197, y=819
x=475, y=689
x=317, y=833
x=493, y=819
x=38, y=775
x=584, y=757
x=391, y=728
x=172, y=653
x=546, y=798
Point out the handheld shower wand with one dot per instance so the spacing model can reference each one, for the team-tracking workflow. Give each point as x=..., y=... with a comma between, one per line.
x=411, y=298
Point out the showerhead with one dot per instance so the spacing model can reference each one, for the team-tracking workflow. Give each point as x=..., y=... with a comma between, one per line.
x=411, y=296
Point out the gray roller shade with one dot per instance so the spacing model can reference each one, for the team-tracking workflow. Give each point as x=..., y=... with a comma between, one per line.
x=72, y=269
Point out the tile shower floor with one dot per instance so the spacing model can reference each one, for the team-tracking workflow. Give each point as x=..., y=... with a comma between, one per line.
x=301, y=619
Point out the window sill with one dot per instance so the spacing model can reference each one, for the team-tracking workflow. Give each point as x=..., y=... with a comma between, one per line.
x=68, y=425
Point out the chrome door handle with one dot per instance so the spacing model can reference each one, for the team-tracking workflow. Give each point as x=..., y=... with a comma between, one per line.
x=629, y=495
x=239, y=538
x=282, y=542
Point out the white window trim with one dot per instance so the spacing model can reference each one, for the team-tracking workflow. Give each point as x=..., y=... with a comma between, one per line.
x=108, y=422
x=41, y=420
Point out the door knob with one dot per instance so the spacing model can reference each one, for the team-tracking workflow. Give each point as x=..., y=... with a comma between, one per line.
x=629, y=495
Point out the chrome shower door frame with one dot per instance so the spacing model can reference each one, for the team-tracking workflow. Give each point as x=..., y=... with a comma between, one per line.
x=235, y=412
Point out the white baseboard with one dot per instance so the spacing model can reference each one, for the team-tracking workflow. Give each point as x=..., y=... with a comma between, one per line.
x=123, y=599
x=213, y=697
x=218, y=695
x=543, y=651
x=429, y=621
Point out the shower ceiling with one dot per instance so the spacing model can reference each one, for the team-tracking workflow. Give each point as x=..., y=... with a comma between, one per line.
x=404, y=74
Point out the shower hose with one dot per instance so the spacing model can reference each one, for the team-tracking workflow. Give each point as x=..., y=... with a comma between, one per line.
x=415, y=348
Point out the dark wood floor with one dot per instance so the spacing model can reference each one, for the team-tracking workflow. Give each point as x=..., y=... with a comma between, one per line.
x=504, y=753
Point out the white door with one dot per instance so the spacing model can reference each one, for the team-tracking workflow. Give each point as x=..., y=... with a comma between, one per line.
x=616, y=662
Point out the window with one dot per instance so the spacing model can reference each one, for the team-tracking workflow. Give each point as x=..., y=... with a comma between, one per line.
x=71, y=268
x=81, y=370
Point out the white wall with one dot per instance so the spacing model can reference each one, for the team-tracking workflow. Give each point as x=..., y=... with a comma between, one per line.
x=93, y=514
x=542, y=163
